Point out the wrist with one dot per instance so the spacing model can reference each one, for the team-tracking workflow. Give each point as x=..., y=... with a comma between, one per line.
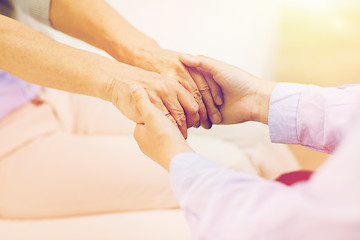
x=165, y=163
x=115, y=80
x=136, y=53
x=260, y=109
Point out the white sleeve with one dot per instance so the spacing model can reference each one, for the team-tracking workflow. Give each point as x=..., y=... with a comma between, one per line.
x=38, y=9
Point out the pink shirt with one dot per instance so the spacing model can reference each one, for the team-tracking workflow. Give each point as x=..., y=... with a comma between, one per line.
x=223, y=204
x=14, y=93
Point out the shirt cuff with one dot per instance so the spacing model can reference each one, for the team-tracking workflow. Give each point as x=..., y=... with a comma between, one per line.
x=38, y=9
x=283, y=107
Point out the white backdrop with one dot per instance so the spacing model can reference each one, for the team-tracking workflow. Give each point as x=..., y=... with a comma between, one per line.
x=241, y=32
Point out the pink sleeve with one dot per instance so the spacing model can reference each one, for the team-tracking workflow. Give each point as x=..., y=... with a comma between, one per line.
x=223, y=204
x=312, y=116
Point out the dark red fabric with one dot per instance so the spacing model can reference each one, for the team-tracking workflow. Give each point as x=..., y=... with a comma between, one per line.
x=294, y=177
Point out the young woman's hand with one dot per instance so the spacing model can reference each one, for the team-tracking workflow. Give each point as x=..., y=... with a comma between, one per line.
x=246, y=97
x=158, y=137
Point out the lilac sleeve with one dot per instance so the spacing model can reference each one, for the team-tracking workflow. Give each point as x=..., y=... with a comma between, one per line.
x=312, y=116
x=223, y=204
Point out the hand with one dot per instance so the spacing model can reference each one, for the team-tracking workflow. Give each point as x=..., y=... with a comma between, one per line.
x=158, y=137
x=166, y=63
x=168, y=96
x=246, y=97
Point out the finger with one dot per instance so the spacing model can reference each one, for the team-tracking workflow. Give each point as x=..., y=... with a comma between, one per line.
x=156, y=101
x=142, y=102
x=189, y=84
x=177, y=112
x=148, y=108
x=190, y=106
x=168, y=116
x=212, y=110
x=215, y=89
x=204, y=121
x=205, y=63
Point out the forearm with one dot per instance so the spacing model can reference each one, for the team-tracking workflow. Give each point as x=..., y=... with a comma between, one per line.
x=38, y=59
x=97, y=23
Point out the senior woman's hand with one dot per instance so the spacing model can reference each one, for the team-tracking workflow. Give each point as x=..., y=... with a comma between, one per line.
x=169, y=96
x=159, y=137
x=167, y=63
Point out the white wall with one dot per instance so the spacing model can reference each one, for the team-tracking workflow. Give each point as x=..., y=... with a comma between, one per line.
x=241, y=32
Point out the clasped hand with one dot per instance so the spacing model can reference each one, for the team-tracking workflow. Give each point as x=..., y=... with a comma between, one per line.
x=246, y=98
x=188, y=95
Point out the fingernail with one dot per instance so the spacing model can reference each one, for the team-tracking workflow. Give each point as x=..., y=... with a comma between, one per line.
x=216, y=118
x=219, y=101
x=133, y=87
x=207, y=124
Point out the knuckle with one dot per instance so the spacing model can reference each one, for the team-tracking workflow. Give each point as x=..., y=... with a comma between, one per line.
x=170, y=75
x=195, y=109
x=204, y=87
x=169, y=85
x=177, y=112
x=173, y=85
x=197, y=96
x=181, y=119
x=137, y=98
x=163, y=89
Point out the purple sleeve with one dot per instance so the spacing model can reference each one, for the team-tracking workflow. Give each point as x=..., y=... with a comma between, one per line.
x=223, y=204
x=312, y=116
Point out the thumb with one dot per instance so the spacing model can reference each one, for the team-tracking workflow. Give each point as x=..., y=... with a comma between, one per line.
x=142, y=101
